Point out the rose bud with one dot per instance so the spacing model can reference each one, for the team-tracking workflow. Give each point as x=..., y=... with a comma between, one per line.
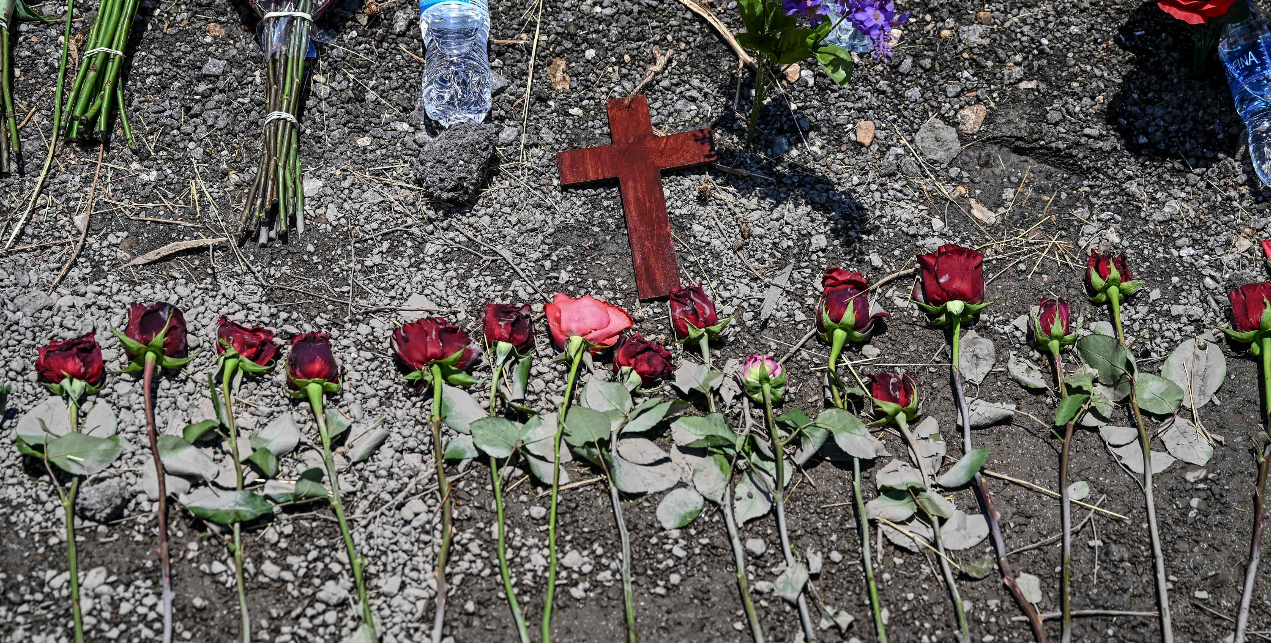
x=145, y=322
x=253, y=343
x=952, y=282
x=425, y=342
x=1105, y=272
x=311, y=360
x=692, y=313
x=1251, y=315
x=845, y=306
x=647, y=359
x=596, y=322
x=79, y=358
x=1049, y=329
x=510, y=325
x=1266, y=251
x=894, y=394
x=760, y=370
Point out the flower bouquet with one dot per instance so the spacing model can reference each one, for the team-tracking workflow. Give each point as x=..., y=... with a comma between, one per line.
x=284, y=35
x=96, y=84
x=10, y=12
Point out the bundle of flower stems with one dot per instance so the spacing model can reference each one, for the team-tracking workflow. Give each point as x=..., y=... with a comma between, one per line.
x=10, y=12
x=277, y=189
x=97, y=86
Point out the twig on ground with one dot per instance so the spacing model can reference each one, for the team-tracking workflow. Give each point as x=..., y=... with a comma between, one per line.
x=1039, y=488
x=172, y=248
x=660, y=59
x=506, y=257
x=1050, y=616
x=88, y=215
x=529, y=80
x=745, y=58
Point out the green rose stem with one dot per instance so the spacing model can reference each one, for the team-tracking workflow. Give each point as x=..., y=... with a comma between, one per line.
x=624, y=540
x=68, y=505
x=778, y=452
x=227, y=377
x=739, y=558
x=496, y=479
x=986, y=498
x=1065, y=503
x=949, y=579
x=57, y=129
x=1145, y=443
x=447, y=504
x=575, y=348
x=760, y=88
x=314, y=392
x=165, y=567
x=704, y=343
x=836, y=349
x=1259, y=500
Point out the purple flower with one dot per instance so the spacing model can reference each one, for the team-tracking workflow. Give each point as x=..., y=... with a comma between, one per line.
x=810, y=8
x=875, y=19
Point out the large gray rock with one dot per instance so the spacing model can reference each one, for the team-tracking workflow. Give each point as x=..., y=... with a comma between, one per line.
x=455, y=165
x=103, y=502
x=938, y=141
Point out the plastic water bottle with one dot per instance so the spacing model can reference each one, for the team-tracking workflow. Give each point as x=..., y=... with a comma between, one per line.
x=1245, y=49
x=844, y=34
x=456, y=64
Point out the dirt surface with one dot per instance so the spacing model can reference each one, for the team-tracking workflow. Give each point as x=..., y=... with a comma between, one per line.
x=1095, y=135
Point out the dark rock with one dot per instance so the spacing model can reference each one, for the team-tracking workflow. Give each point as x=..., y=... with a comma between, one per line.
x=102, y=502
x=458, y=162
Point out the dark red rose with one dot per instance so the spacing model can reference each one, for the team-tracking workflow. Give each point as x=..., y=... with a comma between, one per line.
x=1266, y=248
x=690, y=305
x=311, y=358
x=254, y=343
x=1048, y=312
x=504, y=323
x=1248, y=302
x=841, y=289
x=420, y=343
x=145, y=322
x=890, y=386
x=650, y=361
x=79, y=358
x=951, y=273
x=1195, y=12
x=1101, y=265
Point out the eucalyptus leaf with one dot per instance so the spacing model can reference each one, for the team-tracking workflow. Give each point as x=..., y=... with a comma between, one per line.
x=81, y=454
x=1199, y=368
x=46, y=421
x=1157, y=395
x=1131, y=455
x=985, y=413
x=542, y=469
x=935, y=505
x=915, y=528
x=184, y=459
x=337, y=424
x=964, y=470
x=1118, y=435
x=691, y=376
x=710, y=477
x=227, y=508
x=538, y=434
x=459, y=409
x=789, y=585
x=679, y=508
x=496, y=436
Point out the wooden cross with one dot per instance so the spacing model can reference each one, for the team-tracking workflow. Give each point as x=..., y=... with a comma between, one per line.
x=637, y=158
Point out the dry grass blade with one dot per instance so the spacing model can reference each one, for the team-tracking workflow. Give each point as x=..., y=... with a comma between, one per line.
x=745, y=58
x=171, y=248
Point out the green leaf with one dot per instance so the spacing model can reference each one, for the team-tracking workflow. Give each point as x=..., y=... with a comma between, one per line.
x=1069, y=407
x=496, y=436
x=646, y=420
x=1109, y=358
x=193, y=432
x=896, y=506
x=606, y=396
x=307, y=486
x=899, y=476
x=282, y=435
x=364, y=445
x=181, y=458
x=751, y=15
x=789, y=585
x=460, y=448
x=1078, y=490
x=231, y=507
x=513, y=388
x=585, y=426
x=709, y=431
x=1157, y=395
x=679, y=508
x=850, y=434
x=4, y=400
x=691, y=376
x=710, y=477
x=837, y=63
x=980, y=567
x=83, y=455
x=459, y=409
x=265, y=462
x=964, y=470
x=936, y=505
x=791, y=420
x=758, y=42
x=337, y=424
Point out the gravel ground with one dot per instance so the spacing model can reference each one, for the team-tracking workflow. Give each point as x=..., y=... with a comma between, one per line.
x=1073, y=124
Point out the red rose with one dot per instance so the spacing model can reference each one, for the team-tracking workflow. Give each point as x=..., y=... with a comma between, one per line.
x=691, y=306
x=79, y=358
x=1049, y=312
x=1248, y=303
x=311, y=359
x=951, y=273
x=1100, y=264
x=890, y=386
x=421, y=343
x=145, y=322
x=1266, y=249
x=650, y=361
x=1195, y=12
x=504, y=323
x=596, y=321
x=841, y=289
x=254, y=343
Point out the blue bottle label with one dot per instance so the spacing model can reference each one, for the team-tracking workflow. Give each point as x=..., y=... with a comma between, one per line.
x=424, y=4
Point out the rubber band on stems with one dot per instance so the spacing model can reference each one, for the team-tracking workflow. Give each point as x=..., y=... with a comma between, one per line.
x=287, y=14
x=274, y=116
x=104, y=50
